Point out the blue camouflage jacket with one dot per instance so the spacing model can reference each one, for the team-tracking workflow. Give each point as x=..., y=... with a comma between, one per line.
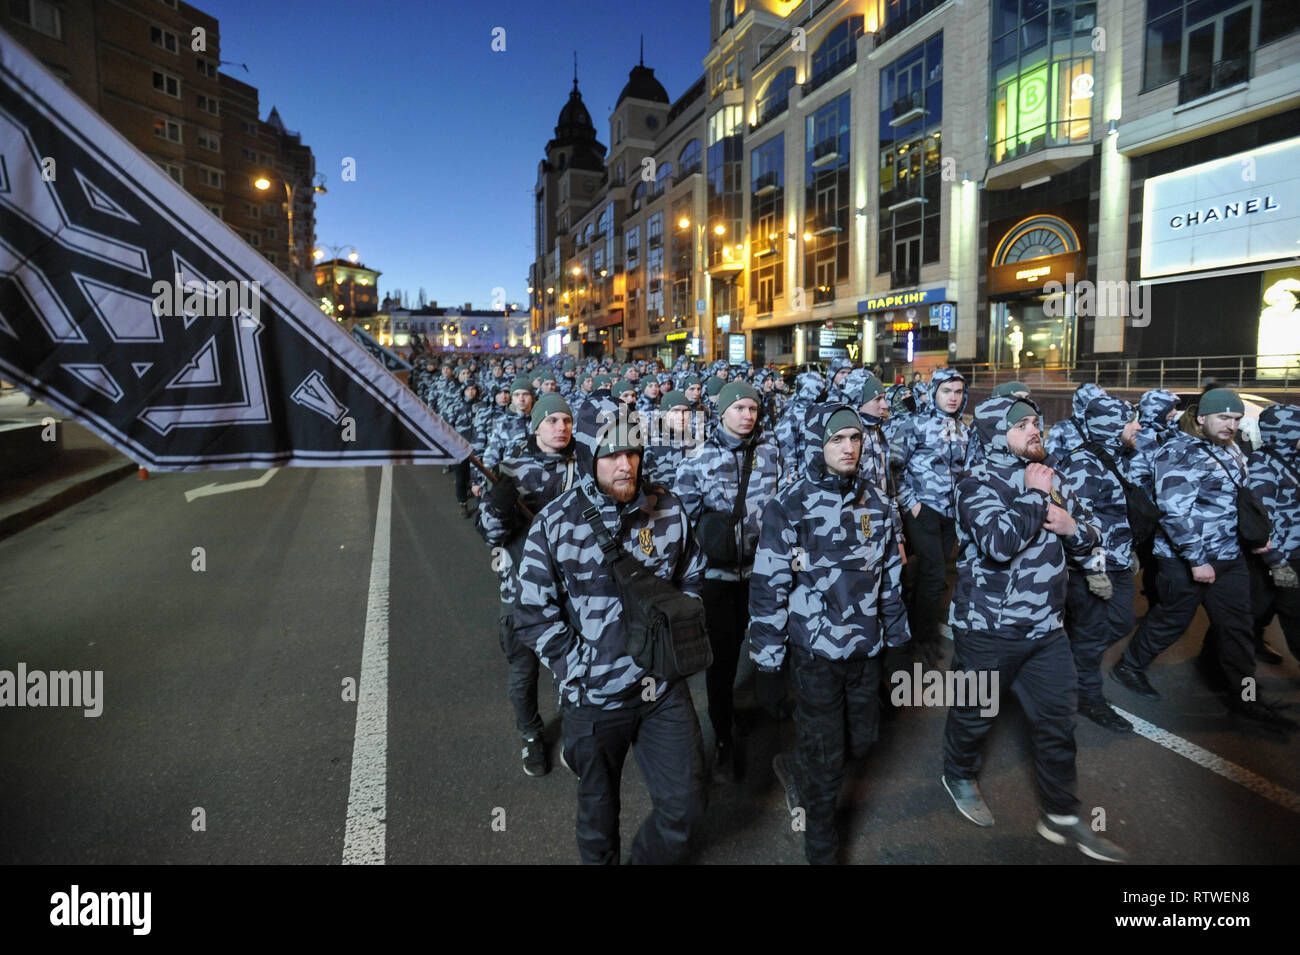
x=827, y=573
x=510, y=430
x=1196, y=490
x=1274, y=483
x=810, y=387
x=1153, y=407
x=568, y=609
x=709, y=480
x=1067, y=435
x=464, y=417
x=928, y=452
x=1093, y=483
x=1011, y=572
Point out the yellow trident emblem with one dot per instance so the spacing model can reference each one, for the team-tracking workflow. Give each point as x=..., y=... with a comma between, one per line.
x=646, y=540
x=866, y=525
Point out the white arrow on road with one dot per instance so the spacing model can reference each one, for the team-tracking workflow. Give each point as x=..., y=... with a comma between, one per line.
x=210, y=489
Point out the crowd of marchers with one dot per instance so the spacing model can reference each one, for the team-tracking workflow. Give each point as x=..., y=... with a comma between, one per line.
x=812, y=529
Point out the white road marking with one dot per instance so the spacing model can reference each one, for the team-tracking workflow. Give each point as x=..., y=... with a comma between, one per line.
x=363, y=842
x=1217, y=764
x=209, y=489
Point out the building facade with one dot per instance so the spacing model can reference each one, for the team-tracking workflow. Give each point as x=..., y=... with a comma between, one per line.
x=914, y=182
x=151, y=69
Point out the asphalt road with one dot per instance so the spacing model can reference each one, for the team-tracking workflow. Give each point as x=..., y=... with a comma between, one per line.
x=224, y=692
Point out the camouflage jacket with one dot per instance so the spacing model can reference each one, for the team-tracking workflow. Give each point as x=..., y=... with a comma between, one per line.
x=540, y=478
x=1198, y=500
x=1067, y=435
x=489, y=415
x=511, y=429
x=709, y=480
x=928, y=454
x=1276, y=485
x=810, y=387
x=1094, y=484
x=1011, y=572
x=827, y=573
x=464, y=417
x=1153, y=407
x=568, y=609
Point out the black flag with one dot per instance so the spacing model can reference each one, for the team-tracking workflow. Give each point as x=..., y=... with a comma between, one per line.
x=129, y=306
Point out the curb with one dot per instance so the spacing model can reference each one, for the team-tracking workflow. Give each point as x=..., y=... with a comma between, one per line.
x=77, y=489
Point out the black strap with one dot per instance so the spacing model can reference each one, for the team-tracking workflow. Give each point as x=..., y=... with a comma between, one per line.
x=608, y=546
x=1220, y=463
x=1104, y=457
x=745, y=468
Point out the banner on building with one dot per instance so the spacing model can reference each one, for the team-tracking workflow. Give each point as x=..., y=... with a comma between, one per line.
x=129, y=306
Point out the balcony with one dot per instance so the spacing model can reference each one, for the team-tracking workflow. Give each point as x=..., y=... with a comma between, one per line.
x=685, y=174
x=897, y=23
x=832, y=70
x=1227, y=72
x=764, y=306
x=826, y=152
x=907, y=193
x=904, y=277
x=908, y=107
x=765, y=184
x=654, y=241
x=768, y=111
x=823, y=294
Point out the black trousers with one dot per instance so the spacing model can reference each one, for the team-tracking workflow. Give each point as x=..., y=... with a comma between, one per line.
x=1267, y=600
x=837, y=716
x=1094, y=625
x=1041, y=675
x=932, y=537
x=726, y=614
x=664, y=735
x=1226, y=601
x=462, y=482
x=521, y=684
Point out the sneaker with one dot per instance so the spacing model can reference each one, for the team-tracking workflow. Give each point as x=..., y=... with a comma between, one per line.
x=1263, y=714
x=1131, y=678
x=1079, y=835
x=1104, y=715
x=785, y=774
x=535, y=761
x=970, y=802
x=724, y=762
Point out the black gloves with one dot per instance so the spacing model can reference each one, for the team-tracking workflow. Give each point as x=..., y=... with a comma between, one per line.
x=503, y=495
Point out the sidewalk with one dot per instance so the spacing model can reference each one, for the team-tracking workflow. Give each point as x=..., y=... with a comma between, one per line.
x=86, y=465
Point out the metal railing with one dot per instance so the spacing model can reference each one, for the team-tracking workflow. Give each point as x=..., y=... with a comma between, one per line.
x=1271, y=373
x=1227, y=72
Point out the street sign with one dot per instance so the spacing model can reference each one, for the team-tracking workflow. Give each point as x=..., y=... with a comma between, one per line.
x=699, y=306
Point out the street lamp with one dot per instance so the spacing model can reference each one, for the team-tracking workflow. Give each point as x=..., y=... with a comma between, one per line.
x=262, y=183
x=684, y=223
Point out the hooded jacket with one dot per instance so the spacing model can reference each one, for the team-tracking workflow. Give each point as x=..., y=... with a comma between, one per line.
x=511, y=429
x=928, y=452
x=1153, y=407
x=1104, y=421
x=568, y=609
x=827, y=573
x=540, y=477
x=465, y=417
x=709, y=480
x=1196, y=485
x=1275, y=484
x=1067, y=435
x=810, y=387
x=836, y=392
x=1011, y=571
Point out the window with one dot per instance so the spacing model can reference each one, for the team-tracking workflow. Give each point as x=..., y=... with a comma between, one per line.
x=167, y=129
x=217, y=211
x=247, y=154
x=208, y=140
x=172, y=170
x=911, y=92
x=688, y=160
x=208, y=104
x=654, y=309
x=775, y=97
x=270, y=232
x=632, y=246
x=41, y=16
x=249, y=129
x=663, y=172
x=767, y=238
x=837, y=52
x=1042, y=92
x=211, y=177
x=270, y=257
x=826, y=199
x=252, y=211
x=206, y=67
x=253, y=239
x=725, y=122
x=166, y=83
x=1207, y=44
x=164, y=39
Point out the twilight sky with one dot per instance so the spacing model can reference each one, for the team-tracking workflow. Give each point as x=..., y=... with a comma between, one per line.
x=445, y=132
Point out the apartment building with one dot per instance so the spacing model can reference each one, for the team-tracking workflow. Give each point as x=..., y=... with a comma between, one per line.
x=151, y=68
x=914, y=182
